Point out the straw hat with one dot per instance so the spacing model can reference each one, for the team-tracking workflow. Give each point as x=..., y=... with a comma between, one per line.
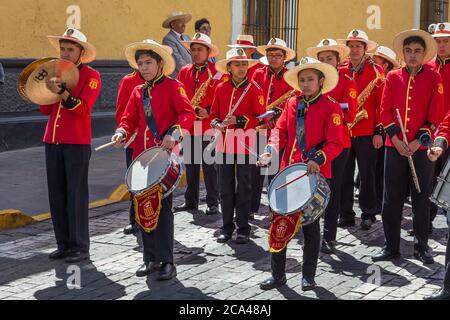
x=430, y=51
x=328, y=45
x=276, y=43
x=244, y=41
x=235, y=54
x=442, y=30
x=78, y=37
x=202, y=39
x=176, y=15
x=165, y=52
x=359, y=35
x=388, y=54
x=330, y=73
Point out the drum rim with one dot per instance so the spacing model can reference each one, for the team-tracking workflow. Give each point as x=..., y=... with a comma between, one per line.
x=175, y=184
x=274, y=178
x=137, y=192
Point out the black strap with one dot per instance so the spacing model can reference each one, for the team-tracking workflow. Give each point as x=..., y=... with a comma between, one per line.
x=300, y=131
x=148, y=110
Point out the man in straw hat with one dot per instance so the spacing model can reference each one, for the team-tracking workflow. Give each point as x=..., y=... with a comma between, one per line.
x=176, y=22
x=68, y=148
x=329, y=51
x=236, y=105
x=159, y=111
x=310, y=131
x=270, y=79
x=194, y=77
x=246, y=42
x=442, y=65
x=440, y=146
x=418, y=95
x=366, y=132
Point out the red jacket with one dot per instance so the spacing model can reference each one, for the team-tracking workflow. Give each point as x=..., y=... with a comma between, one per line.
x=126, y=87
x=251, y=71
x=171, y=108
x=323, y=131
x=420, y=100
x=443, y=67
x=346, y=92
x=70, y=121
x=443, y=133
x=192, y=78
x=362, y=78
x=251, y=105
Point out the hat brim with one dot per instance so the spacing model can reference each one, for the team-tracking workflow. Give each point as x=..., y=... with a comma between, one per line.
x=343, y=51
x=165, y=52
x=371, y=45
x=330, y=73
x=430, y=43
x=90, y=52
x=243, y=46
x=186, y=17
x=214, y=49
x=394, y=62
x=441, y=35
x=221, y=65
x=290, y=54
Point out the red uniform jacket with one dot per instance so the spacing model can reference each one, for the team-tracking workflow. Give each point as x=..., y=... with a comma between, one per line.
x=443, y=67
x=323, y=126
x=362, y=78
x=251, y=105
x=252, y=70
x=420, y=100
x=192, y=78
x=70, y=121
x=171, y=108
x=126, y=87
x=443, y=133
x=346, y=92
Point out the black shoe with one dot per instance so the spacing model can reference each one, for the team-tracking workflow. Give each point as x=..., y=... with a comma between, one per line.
x=130, y=229
x=77, y=256
x=440, y=295
x=272, y=283
x=166, y=272
x=385, y=255
x=424, y=256
x=410, y=233
x=212, y=210
x=308, y=284
x=223, y=238
x=185, y=207
x=251, y=216
x=146, y=269
x=366, y=224
x=241, y=239
x=346, y=223
x=328, y=247
x=59, y=254
x=203, y=199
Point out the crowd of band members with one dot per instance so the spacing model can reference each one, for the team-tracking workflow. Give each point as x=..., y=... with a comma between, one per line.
x=345, y=82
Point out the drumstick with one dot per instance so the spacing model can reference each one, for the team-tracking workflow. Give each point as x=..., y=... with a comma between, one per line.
x=253, y=153
x=106, y=145
x=289, y=182
x=131, y=140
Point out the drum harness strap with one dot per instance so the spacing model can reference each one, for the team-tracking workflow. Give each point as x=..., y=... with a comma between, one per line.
x=300, y=133
x=149, y=117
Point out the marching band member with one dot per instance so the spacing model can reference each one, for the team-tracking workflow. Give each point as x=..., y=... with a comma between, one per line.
x=159, y=110
x=270, y=79
x=418, y=95
x=236, y=105
x=366, y=134
x=320, y=143
x=67, y=142
x=246, y=42
x=195, y=77
x=329, y=51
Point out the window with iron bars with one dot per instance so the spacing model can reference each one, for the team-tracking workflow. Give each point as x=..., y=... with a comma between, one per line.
x=266, y=19
x=433, y=11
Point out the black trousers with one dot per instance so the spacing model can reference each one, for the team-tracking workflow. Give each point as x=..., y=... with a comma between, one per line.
x=311, y=235
x=447, y=260
x=129, y=160
x=439, y=166
x=396, y=175
x=158, y=244
x=332, y=211
x=193, y=174
x=67, y=178
x=379, y=178
x=365, y=154
x=235, y=174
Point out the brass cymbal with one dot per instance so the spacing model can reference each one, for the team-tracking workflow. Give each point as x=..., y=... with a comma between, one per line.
x=57, y=69
x=23, y=77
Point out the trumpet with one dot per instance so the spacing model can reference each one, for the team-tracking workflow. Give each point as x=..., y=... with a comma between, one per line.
x=361, y=115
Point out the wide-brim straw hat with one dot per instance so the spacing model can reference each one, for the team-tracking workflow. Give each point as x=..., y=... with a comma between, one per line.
x=359, y=35
x=387, y=54
x=328, y=45
x=78, y=37
x=330, y=73
x=235, y=54
x=430, y=51
x=244, y=41
x=176, y=16
x=276, y=43
x=204, y=40
x=441, y=30
x=165, y=52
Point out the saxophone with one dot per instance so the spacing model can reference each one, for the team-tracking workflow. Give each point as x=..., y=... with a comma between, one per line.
x=276, y=103
x=199, y=95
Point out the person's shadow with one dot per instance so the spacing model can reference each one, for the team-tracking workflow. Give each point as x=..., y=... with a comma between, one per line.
x=81, y=282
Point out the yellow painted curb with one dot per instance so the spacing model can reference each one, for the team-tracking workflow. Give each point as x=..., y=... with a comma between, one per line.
x=12, y=218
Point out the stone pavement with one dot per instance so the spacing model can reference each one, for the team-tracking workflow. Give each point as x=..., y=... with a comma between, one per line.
x=207, y=269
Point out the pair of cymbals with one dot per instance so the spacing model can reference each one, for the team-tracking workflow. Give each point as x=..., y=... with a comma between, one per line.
x=32, y=82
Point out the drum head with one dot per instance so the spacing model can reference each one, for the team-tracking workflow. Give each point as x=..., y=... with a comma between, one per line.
x=293, y=197
x=147, y=169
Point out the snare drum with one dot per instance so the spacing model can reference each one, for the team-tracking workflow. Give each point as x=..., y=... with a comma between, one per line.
x=441, y=192
x=309, y=194
x=151, y=167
